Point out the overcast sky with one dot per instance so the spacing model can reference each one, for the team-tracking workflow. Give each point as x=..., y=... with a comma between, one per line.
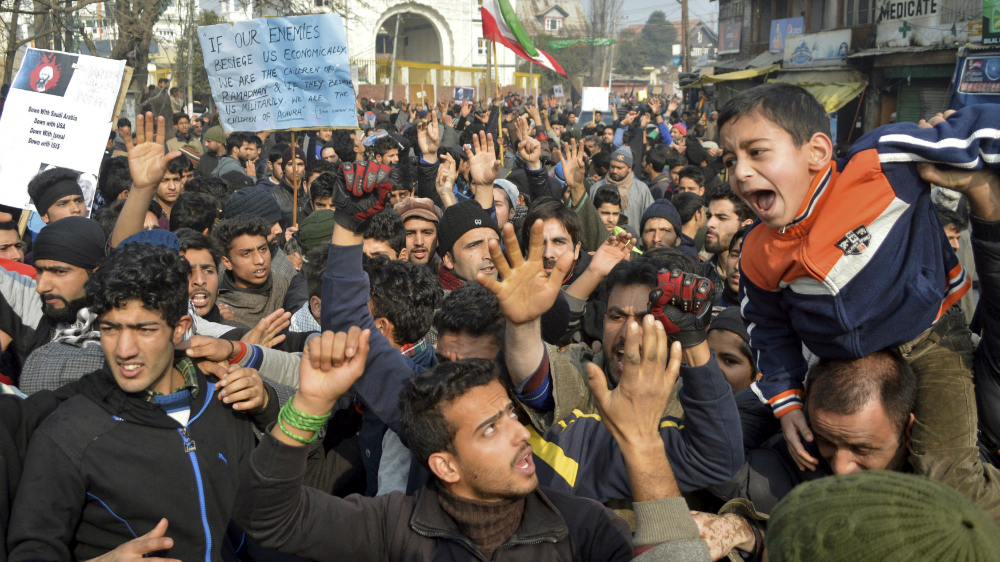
x=637, y=11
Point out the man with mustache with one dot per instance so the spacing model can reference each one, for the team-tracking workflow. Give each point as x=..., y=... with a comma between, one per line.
x=66, y=252
x=420, y=219
x=463, y=237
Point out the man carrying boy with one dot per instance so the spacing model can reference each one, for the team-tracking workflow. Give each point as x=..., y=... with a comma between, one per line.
x=851, y=258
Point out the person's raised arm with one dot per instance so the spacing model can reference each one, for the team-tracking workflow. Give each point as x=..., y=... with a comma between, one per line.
x=524, y=293
x=447, y=174
x=147, y=165
x=574, y=169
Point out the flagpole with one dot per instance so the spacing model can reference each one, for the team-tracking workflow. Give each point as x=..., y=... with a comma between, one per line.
x=496, y=74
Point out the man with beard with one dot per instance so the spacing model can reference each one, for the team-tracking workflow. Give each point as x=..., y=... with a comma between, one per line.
x=215, y=148
x=231, y=158
x=635, y=195
x=726, y=214
x=420, y=219
x=32, y=311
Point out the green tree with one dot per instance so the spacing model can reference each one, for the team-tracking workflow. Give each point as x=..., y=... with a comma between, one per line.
x=657, y=39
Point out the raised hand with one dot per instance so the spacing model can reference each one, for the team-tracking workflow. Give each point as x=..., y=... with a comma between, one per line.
x=428, y=138
x=483, y=165
x=672, y=106
x=644, y=120
x=331, y=363
x=529, y=148
x=612, y=251
x=632, y=411
x=147, y=162
x=654, y=106
x=796, y=430
x=445, y=183
x=267, y=332
x=629, y=118
x=466, y=108
x=525, y=291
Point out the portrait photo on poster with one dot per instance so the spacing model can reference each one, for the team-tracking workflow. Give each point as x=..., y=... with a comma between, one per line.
x=45, y=72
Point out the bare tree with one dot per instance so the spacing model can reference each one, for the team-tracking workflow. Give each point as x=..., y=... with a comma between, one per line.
x=603, y=14
x=50, y=26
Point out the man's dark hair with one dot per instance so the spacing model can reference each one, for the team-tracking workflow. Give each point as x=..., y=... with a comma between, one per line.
x=550, y=209
x=694, y=173
x=343, y=145
x=174, y=90
x=723, y=191
x=401, y=175
x=124, y=122
x=387, y=226
x=235, y=140
x=196, y=211
x=657, y=158
x=115, y=178
x=9, y=225
x=193, y=240
x=688, y=204
x=425, y=397
x=228, y=230
x=179, y=165
x=675, y=159
x=43, y=181
x=404, y=293
x=471, y=309
x=643, y=270
x=601, y=160
x=323, y=186
x=276, y=154
x=180, y=115
x=156, y=276
x=738, y=236
x=845, y=386
x=788, y=106
x=384, y=145
x=253, y=138
x=321, y=166
x=215, y=188
x=607, y=196
x=951, y=218
x=313, y=268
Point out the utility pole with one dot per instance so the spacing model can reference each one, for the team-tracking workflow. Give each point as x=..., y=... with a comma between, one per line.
x=489, y=74
x=392, y=69
x=190, y=53
x=685, y=48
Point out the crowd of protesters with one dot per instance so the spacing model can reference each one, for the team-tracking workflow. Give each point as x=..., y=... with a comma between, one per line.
x=509, y=330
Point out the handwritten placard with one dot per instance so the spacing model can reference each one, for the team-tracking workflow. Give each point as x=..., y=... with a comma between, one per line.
x=280, y=73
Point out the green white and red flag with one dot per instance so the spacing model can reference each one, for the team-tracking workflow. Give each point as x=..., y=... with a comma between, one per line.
x=500, y=24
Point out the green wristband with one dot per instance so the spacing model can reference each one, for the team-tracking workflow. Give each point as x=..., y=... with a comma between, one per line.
x=298, y=420
x=302, y=440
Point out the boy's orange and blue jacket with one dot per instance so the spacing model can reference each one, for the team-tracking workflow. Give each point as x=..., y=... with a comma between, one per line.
x=865, y=265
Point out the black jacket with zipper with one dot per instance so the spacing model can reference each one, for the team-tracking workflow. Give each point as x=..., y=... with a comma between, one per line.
x=106, y=466
x=276, y=509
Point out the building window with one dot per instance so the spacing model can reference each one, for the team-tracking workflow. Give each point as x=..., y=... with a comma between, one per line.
x=481, y=46
x=858, y=12
x=553, y=24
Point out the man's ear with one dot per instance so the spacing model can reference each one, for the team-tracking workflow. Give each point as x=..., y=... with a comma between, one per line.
x=820, y=151
x=908, y=430
x=444, y=465
x=315, y=306
x=746, y=223
x=404, y=254
x=226, y=263
x=576, y=252
x=385, y=326
x=123, y=195
x=448, y=260
x=45, y=218
x=183, y=325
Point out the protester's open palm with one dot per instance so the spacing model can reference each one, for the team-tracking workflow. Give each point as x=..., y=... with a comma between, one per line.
x=574, y=166
x=525, y=291
x=428, y=135
x=650, y=370
x=147, y=162
x=612, y=251
x=331, y=363
x=483, y=165
x=529, y=148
